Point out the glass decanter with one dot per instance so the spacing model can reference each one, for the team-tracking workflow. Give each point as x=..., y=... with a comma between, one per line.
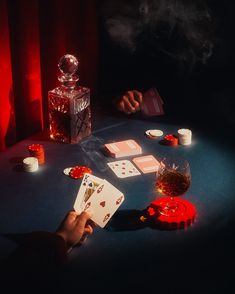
x=69, y=105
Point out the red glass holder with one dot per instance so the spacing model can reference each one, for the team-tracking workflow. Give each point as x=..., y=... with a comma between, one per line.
x=173, y=222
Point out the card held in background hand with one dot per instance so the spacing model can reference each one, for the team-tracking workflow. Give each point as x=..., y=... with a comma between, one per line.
x=104, y=202
x=152, y=103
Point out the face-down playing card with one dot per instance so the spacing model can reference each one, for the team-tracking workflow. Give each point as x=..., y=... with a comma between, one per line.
x=152, y=103
x=147, y=163
x=123, y=168
x=87, y=188
x=123, y=148
x=104, y=202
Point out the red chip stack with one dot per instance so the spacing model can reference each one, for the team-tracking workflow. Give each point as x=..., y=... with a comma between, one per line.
x=77, y=172
x=170, y=140
x=37, y=150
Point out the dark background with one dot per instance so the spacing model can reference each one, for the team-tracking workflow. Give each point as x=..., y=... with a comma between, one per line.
x=203, y=94
x=204, y=97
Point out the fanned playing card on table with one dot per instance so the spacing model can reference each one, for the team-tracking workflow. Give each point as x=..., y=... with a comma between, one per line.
x=123, y=168
x=88, y=186
x=104, y=202
x=152, y=103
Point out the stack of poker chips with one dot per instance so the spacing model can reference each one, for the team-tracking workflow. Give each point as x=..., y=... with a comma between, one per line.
x=184, y=136
x=37, y=150
x=30, y=164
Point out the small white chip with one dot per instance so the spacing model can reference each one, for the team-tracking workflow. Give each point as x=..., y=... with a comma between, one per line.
x=156, y=133
x=67, y=170
x=153, y=133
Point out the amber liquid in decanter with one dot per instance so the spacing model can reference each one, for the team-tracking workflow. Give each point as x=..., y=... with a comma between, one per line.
x=69, y=106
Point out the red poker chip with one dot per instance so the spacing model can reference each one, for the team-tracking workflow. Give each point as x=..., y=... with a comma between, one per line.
x=170, y=140
x=41, y=159
x=37, y=150
x=77, y=172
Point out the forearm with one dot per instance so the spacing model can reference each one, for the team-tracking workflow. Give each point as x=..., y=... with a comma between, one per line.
x=40, y=251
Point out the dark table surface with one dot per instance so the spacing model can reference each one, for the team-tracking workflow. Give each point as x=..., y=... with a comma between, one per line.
x=199, y=259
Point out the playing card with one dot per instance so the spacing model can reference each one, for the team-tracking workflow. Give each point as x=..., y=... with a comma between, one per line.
x=123, y=148
x=123, y=168
x=87, y=188
x=152, y=103
x=147, y=164
x=104, y=202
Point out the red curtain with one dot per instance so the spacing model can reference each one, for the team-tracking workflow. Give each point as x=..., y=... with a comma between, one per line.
x=34, y=34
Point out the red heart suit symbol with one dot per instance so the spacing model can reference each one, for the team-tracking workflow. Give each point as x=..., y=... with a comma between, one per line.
x=102, y=203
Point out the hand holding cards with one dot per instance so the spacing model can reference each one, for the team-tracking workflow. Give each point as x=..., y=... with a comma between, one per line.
x=99, y=196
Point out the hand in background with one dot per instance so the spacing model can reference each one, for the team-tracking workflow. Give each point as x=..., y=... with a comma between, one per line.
x=129, y=102
x=75, y=228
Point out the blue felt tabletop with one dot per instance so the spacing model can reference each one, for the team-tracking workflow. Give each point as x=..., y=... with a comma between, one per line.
x=127, y=254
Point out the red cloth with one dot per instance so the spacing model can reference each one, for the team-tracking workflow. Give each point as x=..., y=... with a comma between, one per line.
x=33, y=36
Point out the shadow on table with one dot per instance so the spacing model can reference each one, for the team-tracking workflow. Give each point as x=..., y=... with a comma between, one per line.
x=17, y=163
x=131, y=220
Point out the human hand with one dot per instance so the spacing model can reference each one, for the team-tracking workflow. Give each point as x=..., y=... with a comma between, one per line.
x=129, y=102
x=74, y=228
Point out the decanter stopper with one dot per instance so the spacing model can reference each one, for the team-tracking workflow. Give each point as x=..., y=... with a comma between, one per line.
x=68, y=65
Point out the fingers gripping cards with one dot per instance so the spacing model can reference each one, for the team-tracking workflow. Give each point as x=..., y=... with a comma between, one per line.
x=123, y=148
